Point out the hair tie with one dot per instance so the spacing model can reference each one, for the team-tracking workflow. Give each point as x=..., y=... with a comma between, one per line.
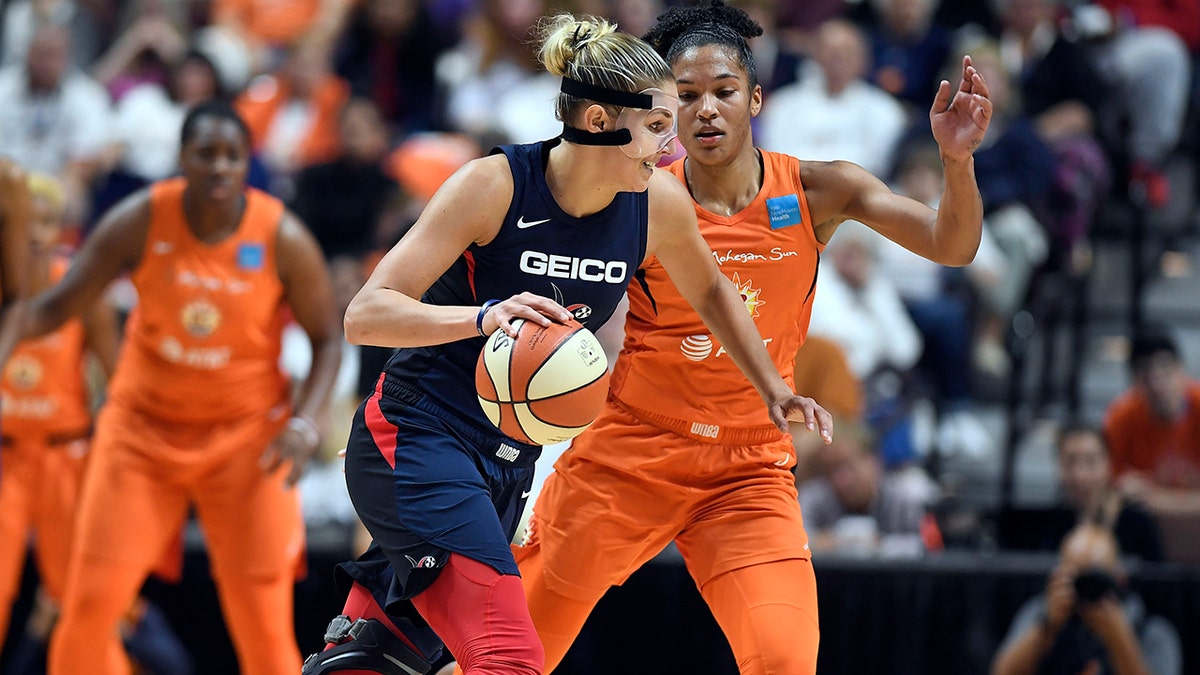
x=586, y=33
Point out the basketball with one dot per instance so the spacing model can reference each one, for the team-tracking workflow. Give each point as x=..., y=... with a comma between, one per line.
x=546, y=385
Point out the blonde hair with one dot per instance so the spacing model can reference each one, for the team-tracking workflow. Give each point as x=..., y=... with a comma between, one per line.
x=593, y=51
x=47, y=187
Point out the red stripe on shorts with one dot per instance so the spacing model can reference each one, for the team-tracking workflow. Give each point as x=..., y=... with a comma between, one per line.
x=382, y=431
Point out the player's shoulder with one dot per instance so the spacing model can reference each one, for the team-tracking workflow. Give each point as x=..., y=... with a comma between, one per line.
x=667, y=191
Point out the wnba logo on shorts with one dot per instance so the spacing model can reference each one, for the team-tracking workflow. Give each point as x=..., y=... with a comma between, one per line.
x=426, y=562
x=508, y=453
x=705, y=430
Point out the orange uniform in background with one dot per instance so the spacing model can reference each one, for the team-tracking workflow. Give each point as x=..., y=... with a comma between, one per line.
x=266, y=97
x=1167, y=452
x=684, y=450
x=196, y=398
x=275, y=22
x=46, y=421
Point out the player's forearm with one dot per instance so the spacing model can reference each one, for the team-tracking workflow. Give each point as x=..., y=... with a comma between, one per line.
x=387, y=318
x=959, y=223
x=318, y=386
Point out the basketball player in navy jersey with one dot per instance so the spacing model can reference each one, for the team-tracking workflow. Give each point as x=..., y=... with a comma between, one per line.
x=437, y=486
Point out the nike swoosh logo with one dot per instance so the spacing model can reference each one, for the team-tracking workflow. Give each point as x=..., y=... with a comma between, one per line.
x=526, y=494
x=783, y=462
x=522, y=223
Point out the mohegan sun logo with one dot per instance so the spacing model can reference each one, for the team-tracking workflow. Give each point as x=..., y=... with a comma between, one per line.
x=24, y=372
x=200, y=318
x=751, y=296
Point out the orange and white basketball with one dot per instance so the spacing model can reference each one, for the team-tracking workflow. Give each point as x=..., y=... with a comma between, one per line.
x=544, y=386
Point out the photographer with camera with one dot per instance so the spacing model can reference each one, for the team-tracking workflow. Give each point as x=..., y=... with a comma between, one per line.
x=1088, y=621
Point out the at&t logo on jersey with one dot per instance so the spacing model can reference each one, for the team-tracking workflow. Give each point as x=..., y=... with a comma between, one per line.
x=570, y=267
x=696, y=347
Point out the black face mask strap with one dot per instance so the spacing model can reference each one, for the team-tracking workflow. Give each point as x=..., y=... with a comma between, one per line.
x=592, y=92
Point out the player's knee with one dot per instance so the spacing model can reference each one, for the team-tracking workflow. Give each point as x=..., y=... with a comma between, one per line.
x=785, y=652
x=510, y=655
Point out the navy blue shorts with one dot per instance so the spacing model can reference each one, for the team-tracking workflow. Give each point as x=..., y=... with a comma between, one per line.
x=426, y=483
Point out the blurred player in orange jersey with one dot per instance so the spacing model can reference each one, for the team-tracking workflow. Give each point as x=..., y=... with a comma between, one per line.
x=47, y=423
x=15, y=213
x=683, y=450
x=198, y=414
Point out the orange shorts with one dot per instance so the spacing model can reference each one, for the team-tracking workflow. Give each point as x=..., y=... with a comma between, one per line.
x=39, y=489
x=626, y=489
x=146, y=474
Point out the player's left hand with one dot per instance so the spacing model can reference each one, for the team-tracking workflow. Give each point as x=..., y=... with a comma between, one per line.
x=293, y=446
x=960, y=118
x=804, y=410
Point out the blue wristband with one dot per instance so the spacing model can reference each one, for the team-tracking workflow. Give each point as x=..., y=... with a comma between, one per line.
x=479, y=317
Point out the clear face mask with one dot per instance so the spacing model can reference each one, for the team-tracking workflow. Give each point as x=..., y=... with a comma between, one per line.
x=646, y=125
x=651, y=131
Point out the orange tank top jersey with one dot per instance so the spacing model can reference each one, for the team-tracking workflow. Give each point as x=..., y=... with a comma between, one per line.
x=203, y=342
x=44, y=390
x=672, y=371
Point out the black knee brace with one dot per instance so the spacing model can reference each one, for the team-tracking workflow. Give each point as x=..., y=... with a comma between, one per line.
x=365, y=644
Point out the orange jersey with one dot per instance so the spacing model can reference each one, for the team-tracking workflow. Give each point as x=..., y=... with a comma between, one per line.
x=1169, y=452
x=203, y=342
x=671, y=370
x=45, y=394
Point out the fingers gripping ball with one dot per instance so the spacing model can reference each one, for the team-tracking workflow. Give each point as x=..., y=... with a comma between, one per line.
x=546, y=385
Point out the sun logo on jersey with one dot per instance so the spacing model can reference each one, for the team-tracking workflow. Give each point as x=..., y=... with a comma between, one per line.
x=24, y=372
x=200, y=318
x=751, y=296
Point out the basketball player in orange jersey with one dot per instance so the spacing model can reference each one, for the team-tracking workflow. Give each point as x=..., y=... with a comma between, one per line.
x=15, y=213
x=683, y=450
x=523, y=233
x=198, y=412
x=46, y=417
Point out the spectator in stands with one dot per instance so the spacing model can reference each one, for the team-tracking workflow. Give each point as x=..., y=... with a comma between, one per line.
x=776, y=60
x=387, y=54
x=489, y=84
x=270, y=29
x=943, y=301
x=855, y=506
x=1088, y=495
x=1088, y=621
x=293, y=114
x=54, y=119
x=860, y=308
x=908, y=49
x=351, y=205
x=24, y=18
x=821, y=369
x=147, y=123
x=144, y=52
x=1142, y=46
x=1153, y=429
x=1063, y=93
x=844, y=116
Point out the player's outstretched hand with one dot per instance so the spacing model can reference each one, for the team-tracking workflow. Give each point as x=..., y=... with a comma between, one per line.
x=293, y=445
x=960, y=118
x=805, y=411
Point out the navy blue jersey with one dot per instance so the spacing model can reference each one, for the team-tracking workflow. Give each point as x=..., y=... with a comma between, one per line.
x=585, y=262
